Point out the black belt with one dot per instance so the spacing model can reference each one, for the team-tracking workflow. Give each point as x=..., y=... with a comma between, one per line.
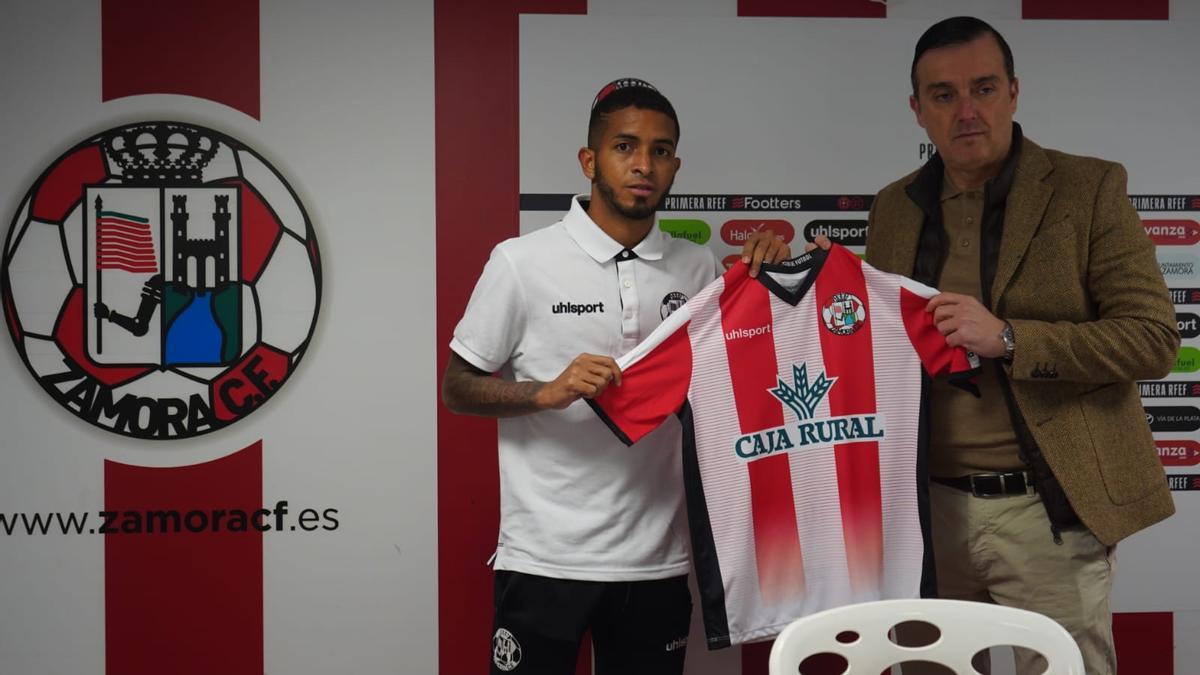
x=991, y=484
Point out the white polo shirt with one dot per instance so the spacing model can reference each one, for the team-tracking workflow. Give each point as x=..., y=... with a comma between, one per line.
x=575, y=502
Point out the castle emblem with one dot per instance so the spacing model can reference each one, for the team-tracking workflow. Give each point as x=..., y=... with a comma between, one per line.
x=168, y=285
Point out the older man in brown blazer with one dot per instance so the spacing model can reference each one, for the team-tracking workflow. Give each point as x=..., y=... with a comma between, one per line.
x=1047, y=273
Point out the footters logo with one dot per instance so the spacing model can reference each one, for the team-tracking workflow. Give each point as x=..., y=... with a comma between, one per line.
x=161, y=280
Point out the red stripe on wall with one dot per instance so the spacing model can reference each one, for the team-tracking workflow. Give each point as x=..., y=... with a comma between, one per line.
x=203, y=48
x=187, y=602
x=813, y=8
x=59, y=192
x=1145, y=642
x=1096, y=9
x=746, y=306
x=477, y=189
x=853, y=394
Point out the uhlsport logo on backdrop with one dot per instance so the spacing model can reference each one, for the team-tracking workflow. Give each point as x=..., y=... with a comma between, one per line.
x=161, y=280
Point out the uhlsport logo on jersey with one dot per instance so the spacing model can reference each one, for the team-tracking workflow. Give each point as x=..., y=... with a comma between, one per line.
x=810, y=432
x=844, y=314
x=161, y=280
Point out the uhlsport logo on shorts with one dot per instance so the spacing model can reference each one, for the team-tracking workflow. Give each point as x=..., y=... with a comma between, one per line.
x=844, y=314
x=161, y=280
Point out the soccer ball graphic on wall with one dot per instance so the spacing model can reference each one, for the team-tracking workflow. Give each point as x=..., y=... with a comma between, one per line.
x=161, y=280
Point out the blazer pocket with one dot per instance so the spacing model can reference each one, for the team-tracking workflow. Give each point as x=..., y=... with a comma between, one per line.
x=1120, y=437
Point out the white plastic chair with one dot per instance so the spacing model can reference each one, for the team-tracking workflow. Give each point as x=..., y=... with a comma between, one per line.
x=966, y=628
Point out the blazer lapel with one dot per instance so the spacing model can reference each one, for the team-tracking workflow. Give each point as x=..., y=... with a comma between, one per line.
x=1023, y=211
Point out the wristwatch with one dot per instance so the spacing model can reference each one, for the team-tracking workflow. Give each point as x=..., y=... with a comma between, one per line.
x=1009, y=340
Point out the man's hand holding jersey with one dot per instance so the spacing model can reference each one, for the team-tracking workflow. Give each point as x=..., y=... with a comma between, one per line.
x=586, y=377
x=764, y=247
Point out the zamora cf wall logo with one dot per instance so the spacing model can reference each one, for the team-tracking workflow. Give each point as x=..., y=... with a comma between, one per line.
x=161, y=280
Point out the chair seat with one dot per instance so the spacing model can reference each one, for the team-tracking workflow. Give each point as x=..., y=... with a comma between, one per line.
x=965, y=629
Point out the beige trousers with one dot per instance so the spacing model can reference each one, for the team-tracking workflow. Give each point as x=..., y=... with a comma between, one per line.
x=1001, y=550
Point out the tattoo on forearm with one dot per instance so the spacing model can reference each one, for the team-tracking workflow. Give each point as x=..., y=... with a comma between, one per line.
x=468, y=390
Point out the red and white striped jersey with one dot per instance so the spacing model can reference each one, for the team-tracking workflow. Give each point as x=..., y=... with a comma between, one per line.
x=800, y=394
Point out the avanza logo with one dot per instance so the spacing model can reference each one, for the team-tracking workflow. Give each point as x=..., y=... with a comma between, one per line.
x=803, y=398
x=1172, y=232
x=1178, y=452
x=737, y=232
x=172, y=271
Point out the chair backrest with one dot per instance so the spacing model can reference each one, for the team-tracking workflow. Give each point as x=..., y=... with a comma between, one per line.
x=859, y=634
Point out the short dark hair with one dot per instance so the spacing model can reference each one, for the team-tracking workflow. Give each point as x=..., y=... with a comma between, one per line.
x=958, y=30
x=627, y=92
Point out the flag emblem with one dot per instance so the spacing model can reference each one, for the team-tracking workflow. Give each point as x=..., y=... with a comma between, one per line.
x=161, y=280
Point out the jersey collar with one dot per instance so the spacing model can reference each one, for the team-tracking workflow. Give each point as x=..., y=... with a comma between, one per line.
x=812, y=262
x=599, y=245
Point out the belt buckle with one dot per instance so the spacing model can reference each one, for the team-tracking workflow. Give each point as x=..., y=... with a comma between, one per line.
x=1029, y=487
x=983, y=495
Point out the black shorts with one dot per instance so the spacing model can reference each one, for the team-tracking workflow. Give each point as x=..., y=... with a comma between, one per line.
x=637, y=626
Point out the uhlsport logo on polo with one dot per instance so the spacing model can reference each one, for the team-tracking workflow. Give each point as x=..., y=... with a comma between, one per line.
x=161, y=280
x=804, y=398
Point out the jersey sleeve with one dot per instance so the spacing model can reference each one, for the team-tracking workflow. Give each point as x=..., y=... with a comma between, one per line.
x=655, y=377
x=492, y=325
x=936, y=356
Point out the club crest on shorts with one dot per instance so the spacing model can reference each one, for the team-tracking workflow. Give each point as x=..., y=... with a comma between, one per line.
x=671, y=302
x=161, y=280
x=506, y=651
x=844, y=314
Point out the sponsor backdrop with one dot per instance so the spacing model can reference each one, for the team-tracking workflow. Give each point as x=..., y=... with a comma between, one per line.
x=217, y=450
x=793, y=123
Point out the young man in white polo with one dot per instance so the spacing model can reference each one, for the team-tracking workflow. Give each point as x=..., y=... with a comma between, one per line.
x=592, y=533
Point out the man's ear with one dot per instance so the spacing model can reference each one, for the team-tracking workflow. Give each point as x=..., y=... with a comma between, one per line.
x=587, y=162
x=915, y=105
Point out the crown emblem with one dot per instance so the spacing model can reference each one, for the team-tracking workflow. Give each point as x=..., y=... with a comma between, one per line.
x=160, y=152
x=803, y=398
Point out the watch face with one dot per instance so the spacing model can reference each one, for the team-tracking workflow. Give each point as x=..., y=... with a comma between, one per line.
x=1010, y=343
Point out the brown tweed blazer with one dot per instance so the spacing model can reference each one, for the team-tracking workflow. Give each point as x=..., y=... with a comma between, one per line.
x=1078, y=280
